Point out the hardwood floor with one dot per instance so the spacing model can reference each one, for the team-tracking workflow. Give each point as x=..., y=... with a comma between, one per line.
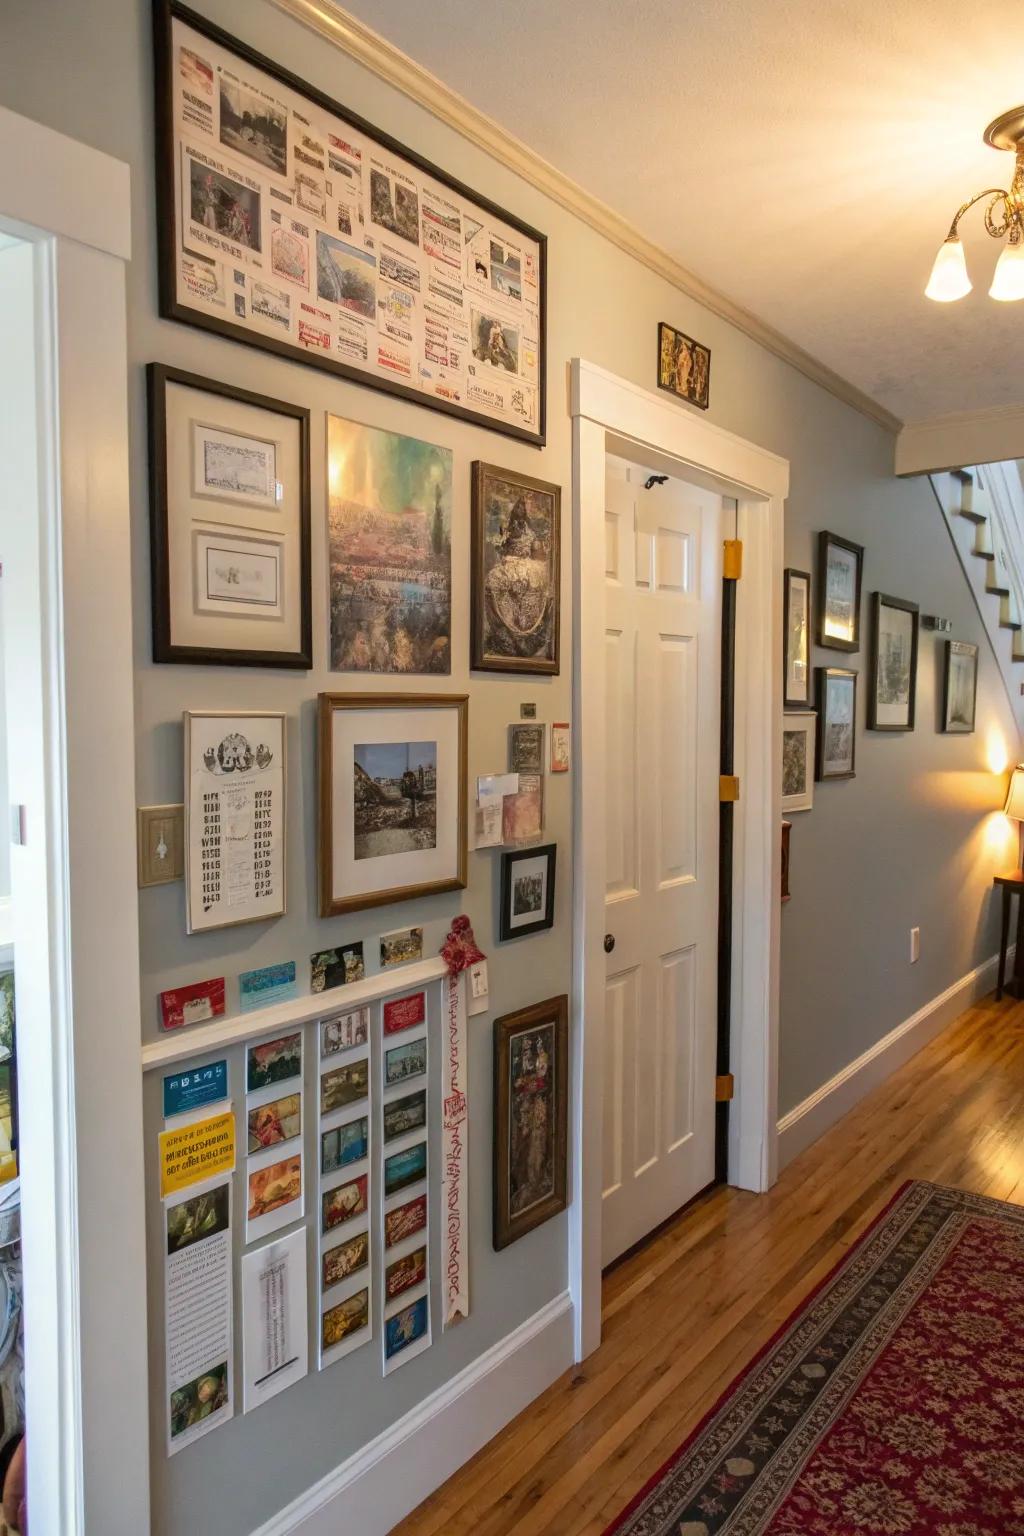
x=683, y=1315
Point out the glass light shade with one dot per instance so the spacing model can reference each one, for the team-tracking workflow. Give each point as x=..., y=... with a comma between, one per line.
x=1015, y=795
x=1008, y=278
x=949, y=278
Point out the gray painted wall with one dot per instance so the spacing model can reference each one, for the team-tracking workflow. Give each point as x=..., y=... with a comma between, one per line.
x=901, y=844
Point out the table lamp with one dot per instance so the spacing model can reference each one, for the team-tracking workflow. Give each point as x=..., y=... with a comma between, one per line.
x=1015, y=798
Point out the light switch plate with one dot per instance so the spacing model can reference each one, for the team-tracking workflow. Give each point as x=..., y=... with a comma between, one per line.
x=161, y=842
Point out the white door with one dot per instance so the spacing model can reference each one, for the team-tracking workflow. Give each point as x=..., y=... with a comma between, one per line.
x=663, y=605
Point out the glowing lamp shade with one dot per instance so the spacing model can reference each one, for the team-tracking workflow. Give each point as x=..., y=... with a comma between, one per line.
x=1015, y=795
x=1008, y=278
x=949, y=278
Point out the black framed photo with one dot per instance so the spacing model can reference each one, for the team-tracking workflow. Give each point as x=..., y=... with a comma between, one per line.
x=684, y=366
x=894, y=635
x=531, y=1082
x=288, y=222
x=960, y=687
x=840, y=568
x=527, y=891
x=229, y=524
x=796, y=639
x=515, y=566
x=837, y=723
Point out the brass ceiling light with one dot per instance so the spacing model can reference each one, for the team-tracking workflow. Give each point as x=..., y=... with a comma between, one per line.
x=1003, y=216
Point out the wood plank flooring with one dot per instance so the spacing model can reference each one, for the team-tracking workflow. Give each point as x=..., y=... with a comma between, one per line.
x=685, y=1313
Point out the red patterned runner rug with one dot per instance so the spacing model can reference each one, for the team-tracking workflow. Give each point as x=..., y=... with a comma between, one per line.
x=890, y=1404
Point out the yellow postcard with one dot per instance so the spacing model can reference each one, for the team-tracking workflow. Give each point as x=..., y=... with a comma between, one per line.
x=191, y=1153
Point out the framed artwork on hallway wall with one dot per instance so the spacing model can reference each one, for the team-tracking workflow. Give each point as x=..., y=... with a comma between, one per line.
x=527, y=891
x=960, y=687
x=515, y=572
x=796, y=639
x=531, y=1065
x=840, y=568
x=893, y=684
x=798, y=741
x=837, y=723
x=684, y=366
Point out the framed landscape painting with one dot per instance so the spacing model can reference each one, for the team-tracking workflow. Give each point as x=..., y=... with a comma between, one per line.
x=840, y=566
x=960, y=687
x=530, y=1105
x=515, y=572
x=392, y=773
x=837, y=723
x=894, y=632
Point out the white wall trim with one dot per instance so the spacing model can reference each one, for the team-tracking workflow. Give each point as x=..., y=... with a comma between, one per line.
x=960, y=438
x=54, y=184
x=397, y=69
x=381, y=1483
x=805, y=1123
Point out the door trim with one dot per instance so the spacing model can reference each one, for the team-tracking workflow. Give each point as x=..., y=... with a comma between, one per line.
x=613, y=415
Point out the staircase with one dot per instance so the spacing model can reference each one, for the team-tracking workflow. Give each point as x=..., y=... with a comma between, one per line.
x=984, y=510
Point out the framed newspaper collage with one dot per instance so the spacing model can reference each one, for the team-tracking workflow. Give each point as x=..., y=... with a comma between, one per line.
x=288, y=222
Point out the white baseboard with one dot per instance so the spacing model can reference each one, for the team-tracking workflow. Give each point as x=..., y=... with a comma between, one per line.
x=378, y=1486
x=819, y=1112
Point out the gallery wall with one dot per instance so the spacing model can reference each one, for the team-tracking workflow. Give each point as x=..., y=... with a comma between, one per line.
x=906, y=842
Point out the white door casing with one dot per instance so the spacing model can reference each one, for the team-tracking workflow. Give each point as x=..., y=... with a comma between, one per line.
x=663, y=608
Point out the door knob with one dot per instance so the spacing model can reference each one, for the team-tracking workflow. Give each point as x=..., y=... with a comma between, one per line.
x=609, y=943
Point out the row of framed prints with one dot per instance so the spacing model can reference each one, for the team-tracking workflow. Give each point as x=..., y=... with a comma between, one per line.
x=231, y=542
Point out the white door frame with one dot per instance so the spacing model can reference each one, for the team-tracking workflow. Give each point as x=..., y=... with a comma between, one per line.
x=73, y=878
x=612, y=415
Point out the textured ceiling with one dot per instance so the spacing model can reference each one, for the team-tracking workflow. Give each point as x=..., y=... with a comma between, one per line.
x=804, y=159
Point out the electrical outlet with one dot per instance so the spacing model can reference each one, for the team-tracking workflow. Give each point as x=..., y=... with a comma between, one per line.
x=915, y=945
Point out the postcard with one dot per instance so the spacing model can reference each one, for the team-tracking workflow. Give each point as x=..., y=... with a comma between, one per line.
x=197, y=1151
x=341, y=1204
x=344, y=1031
x=407, y=1327
x=336, y=967
x=404, y=1115
x=274, y=1061
x=346, y=1259
x=404, y=1220
x=195, y=1088
x=272, y=984
x=523, y=813
x=279, y=1120
x=400, y=947
x=348, y=1317
x=191, y=1005
x=404, y=1168
x=560, y=737
x=348, y=1143
x=404, y=1012
x=497, y=784
x=487, y=821
x=402, y=1274
x=274, y=1196
x=402, y=1062
x=275, y=1349
x=344, y=1085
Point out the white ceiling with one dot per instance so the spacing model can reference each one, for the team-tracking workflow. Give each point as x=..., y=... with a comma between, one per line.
x=804, y=157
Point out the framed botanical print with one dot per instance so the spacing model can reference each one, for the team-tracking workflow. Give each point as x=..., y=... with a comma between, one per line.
x=684, y=366
x=527, y=891
x=840, y=566
x=229, y=524
x=960, y=687
x=515, y=572
x=234, y=818
x=894, y=630
x=392, y=797
x=798, y=733
x=796, y=639
x=837, y=723
x=530, y=1097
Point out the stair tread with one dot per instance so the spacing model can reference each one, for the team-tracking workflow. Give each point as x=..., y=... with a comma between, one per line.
x=984, y=554
x=998, y=591
x=1010, y=624
x=972, y=516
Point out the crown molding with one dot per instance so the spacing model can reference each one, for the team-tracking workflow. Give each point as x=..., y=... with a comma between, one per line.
x=390, y=64
x=960, y=438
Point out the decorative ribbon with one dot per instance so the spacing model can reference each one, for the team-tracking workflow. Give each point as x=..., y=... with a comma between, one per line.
x=459, y=951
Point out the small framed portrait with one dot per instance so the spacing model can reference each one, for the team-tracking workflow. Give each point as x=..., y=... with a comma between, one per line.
x=229, y=524
x=798, y=734
x=893, y=696
x=840, y=566
x=515, y=572
x=684, y=366
x=837, y=723
x=527, y=891
x=960, y=687
x=796, y=639
x=530, y=1097
x=392, y=797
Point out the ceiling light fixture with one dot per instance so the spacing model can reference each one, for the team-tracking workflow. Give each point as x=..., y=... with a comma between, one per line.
x=1003, y=216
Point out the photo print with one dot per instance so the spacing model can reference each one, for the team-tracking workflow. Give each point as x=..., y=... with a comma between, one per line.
x=336, y=967
x=346, y=1144
x=401, y=947
x=527, y=891
x=344, y=1031
x=395, y=809
x=494, y=341
x=403, y=1062
x=274, y=1187
x=346, y=276
x=344, y=1085
x=348, y=1258
x=277, y=1121
x=404, y=1115
x=405, y=1168
x=343, y=1203
x=253, y=124
x=274, y=1061
x=346, y=1318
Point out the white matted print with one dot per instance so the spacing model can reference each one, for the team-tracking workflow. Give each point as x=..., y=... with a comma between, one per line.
x=798, y=760
x=236, y=574
x=232, y=466
x=275, y=1342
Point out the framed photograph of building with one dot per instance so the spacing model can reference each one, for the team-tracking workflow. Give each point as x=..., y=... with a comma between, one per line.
x=798, y=733
x=531, y=1064
x=684, y=366
x=796, y=639
x=840, y=567
x=527, y=891
x=837, y=723
x=392, y=797
x=515, y=572
x=894, y=631
x=960, y=687
x=229, y=524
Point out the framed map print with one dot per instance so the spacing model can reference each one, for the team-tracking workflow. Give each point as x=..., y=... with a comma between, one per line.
x=287, y=222
x=229, y=524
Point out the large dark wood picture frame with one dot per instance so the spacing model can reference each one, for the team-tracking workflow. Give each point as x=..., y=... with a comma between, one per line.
x=483, y=658
x=158, y=377
x=880, y=600
x=836, y=642
x=164, y=13
x=552, y=1015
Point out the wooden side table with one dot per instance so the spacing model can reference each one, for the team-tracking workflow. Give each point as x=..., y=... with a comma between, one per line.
x=1011, y=884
